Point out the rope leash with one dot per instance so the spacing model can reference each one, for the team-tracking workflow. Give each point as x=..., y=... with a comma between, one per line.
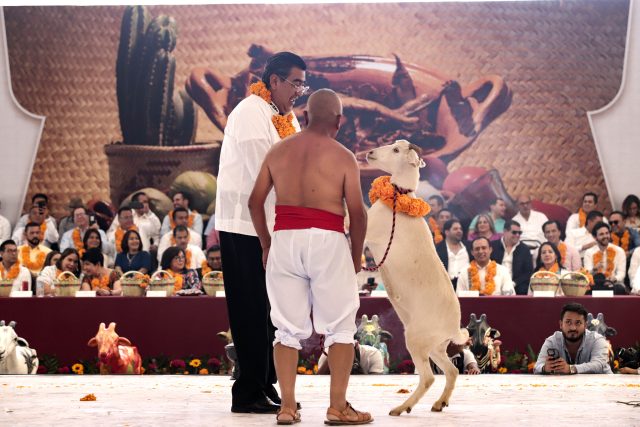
x=393, y=229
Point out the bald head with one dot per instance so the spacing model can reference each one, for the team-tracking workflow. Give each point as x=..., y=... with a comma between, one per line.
x=323, y=107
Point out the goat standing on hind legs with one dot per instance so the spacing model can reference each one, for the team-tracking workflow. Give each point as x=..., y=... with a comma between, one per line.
x=417, y=283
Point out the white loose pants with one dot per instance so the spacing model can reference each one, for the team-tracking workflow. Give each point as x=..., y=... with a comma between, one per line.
x=311, y=270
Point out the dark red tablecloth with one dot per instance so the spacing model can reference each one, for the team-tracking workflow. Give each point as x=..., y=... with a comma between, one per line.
x=183, y=326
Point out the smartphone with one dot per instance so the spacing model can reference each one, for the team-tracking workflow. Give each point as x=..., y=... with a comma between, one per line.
x=552, y=353
x=92, y=219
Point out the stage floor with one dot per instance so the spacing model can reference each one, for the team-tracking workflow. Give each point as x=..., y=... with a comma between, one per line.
x=491, y=400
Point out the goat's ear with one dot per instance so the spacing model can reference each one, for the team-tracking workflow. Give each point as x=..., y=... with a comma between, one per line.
x=422, y=164
x=22, y=342
x=123, y=341
x=414, y=159
x=93, y=342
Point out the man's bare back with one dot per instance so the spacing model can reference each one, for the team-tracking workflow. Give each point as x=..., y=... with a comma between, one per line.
x=308, y=169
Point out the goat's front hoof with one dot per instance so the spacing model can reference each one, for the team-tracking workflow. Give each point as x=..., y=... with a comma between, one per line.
x=409, y=410
x=396, y=412
x=439, y=406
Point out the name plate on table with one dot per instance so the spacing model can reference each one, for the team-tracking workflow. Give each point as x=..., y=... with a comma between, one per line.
x=602, y=294
x=156, y=294
x=21, y=294
x=544, y=294
x=381, y=293
x=220, y=294
x=85, y=294
x=469, y=293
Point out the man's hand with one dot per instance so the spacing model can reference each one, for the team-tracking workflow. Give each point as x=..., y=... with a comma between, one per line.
x=472, y=370
x=557, y=366
x=265, y=256
x=103, y=292
x=357, y=265
x=589, y=245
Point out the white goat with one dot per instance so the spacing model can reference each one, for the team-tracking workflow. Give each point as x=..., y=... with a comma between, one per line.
x=15, y=355
x=415, y=279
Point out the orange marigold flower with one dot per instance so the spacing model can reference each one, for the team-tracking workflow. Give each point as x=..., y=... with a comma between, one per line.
x=383, y=190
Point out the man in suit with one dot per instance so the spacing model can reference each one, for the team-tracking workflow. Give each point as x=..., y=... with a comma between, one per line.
x=454, y=251
x=514, y=255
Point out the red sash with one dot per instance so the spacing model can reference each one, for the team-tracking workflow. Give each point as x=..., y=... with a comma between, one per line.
x=300, y=217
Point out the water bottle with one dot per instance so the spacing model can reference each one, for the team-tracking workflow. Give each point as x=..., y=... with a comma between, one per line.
x=39, y=287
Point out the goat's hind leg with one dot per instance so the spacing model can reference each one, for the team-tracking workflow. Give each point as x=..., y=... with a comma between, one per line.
x=440, y=358
x=421, y=360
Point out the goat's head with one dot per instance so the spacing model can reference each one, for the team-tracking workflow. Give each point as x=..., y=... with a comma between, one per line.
x=8, y=339
x=401, y=159
x=107, y=342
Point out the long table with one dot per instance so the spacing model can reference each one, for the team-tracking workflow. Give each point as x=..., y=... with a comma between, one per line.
x=183, y=326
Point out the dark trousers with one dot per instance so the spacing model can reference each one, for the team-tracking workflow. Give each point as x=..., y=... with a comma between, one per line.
x=248, y=307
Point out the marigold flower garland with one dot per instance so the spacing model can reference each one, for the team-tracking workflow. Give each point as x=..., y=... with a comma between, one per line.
x=597, y=258
x=25, y=254
x=489, y=282
x=383, y=190
x=283, y=124
x=12, y=273
x=120, y=235
x=100, y=283
x=562, y=248
x=172, y=223
x=623, y=241
x=555, y=268
x=205, y=268
x=179, y=280
x=437, y=234
x=582, y=215
x=77, y=241
x=43, y=230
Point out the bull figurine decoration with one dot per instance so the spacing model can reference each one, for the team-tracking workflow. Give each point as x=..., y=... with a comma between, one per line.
x=115, y=353
x=370, y=333
x=484, y=343
x=15, y=355
x=598, y=325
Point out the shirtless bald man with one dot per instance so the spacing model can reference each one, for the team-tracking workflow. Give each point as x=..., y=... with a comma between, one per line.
x=309, y=265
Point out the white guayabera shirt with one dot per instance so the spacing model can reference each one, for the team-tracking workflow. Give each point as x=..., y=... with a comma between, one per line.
x=248, y=136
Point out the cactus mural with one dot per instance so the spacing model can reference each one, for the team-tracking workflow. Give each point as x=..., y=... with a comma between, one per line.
x=151, y=112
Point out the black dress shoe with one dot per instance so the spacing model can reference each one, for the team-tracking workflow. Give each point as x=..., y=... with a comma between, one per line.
x=272, y=394
x=259, y=407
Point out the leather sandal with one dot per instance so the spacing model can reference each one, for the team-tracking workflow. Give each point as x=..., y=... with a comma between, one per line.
x=295, y=416
x=347, y=417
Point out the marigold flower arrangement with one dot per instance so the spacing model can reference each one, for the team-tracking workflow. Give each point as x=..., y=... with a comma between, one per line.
x=77, y=241
x=489, y=282
x=195, y=363
x=100, y=283
x=623, y=241
x=597, y=258
x=11, y=274
x=582, y=216
x=383, y=190
x=555, y=268
x=192, y=216
x=25, y=254
x=120, y=234
x=437, y=234
x=78, y=369
x=283, y=124
x=203, y=371
x=562, y=248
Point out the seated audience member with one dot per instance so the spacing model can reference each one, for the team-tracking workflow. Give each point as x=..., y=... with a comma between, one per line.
x=51, y=259
x=174, y=262
x=453, y=251
x=194, y=219
x=69, y=261
x=48, y=233
x=367, y=360
x=180, y=218
x=605, y=257
x=93, y=240
x=143, y=218
x=133, y=257
x=514, y=256
x=581, y=238
x=622, y=236
x=573, y=349
x=569, y=256
x=484, y=274
x=579, y=220
x=10, y=268
x=548, y=260
x=66, y=223
x=631, y=212
x=462, y=358
x=195, y=256
x=33, y=254
x=212, y=236
x=443, y=216
x=213, y=262
x=97, y=277
x=41, y=201
x=484, y=228
x=530, y=222
x=437, y=203
x=74, y=238
x=125, y=223
x=497, y=210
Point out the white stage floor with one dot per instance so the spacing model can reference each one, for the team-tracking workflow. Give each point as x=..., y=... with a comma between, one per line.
x=491, y=400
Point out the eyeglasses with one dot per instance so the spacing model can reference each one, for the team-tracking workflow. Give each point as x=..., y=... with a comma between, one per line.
x=615, y=222
x=300, y=87
x=516, y=232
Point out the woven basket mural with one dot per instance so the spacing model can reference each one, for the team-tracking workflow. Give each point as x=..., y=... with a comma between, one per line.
x=559, y=60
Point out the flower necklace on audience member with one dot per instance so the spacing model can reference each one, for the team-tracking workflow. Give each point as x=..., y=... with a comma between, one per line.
x=26, y=258
x=172, y=223
x=120, y=234
x=383, y=189
x=100, y=283
x=582, y=215
x=12, y=273
x=623, y=241
x=437, y=234
x=77, y=241
x=555, y=268
x=205, y=268
x=179, y=280
x=489, y=282
x=611, y=254
x=562, y=248
x=283, y=124
x=43, y=230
